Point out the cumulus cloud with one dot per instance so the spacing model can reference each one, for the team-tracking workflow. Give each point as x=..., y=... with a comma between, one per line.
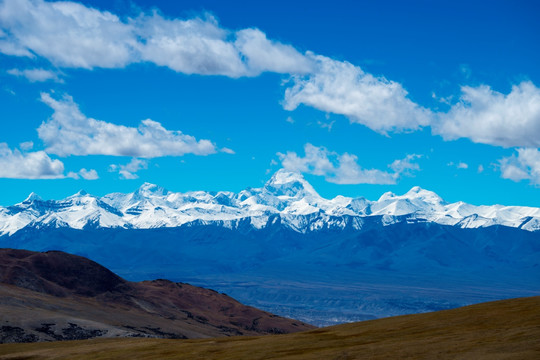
x=490, y=117
x=341, y=88
x=35, y=75
x=70, y=132
x=263, y=54
x=405, y=166
x=15, y=164
x=194, y=46
x=85, y=174
x=89, y=174
x=129, y=170
x=27, y=145
x=344, y=168
x=70, y=34
x=524, y=166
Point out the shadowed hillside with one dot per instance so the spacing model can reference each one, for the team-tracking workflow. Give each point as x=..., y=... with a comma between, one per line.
x=58, y=296
x=508, y=329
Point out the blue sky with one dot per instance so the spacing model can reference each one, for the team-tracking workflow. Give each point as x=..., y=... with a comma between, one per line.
x=361, y=97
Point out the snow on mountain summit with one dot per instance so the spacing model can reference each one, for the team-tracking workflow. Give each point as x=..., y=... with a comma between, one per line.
x=425, y=195
x=285, y=183
x=286, y=195
x=148, y=189
x=416, y=193
x=32, y=197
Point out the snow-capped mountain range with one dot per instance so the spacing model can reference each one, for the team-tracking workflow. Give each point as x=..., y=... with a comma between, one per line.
x=287, y=196
x=285, y=249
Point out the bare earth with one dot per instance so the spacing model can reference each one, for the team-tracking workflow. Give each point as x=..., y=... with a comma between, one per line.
x=58, y=296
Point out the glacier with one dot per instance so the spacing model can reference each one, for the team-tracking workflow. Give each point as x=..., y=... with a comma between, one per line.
x=285, y=249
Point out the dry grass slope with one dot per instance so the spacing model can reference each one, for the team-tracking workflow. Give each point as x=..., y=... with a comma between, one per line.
x=508, y=329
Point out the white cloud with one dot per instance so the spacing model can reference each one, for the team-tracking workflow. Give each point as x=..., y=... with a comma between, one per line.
x=194, y=46
x=10, y=47
x=326, y=125
x=201, y=46
x=128, y=171
x=226, y=150
x=35, y=75
x=342, y=88
x=69, y=132
x=405, y=166
x=524, y=166
x=480, y=168
x=15, y=164
x=85, y=174
x=27, y=145
x=70, y=34
x=459, y=165
x=89, y=174
x=344, y=169
x=267, y=55
x=490, y=117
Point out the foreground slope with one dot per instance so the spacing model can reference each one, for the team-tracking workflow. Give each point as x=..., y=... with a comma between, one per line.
x=59, y=296
x=507, y=329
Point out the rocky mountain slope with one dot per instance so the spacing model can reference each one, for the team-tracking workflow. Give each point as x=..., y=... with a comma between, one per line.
x=59, y=296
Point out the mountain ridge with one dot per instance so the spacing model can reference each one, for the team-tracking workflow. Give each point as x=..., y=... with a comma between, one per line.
x=287, y=195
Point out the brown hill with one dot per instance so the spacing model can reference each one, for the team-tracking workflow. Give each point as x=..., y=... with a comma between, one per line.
x=508, y=329
x=59, y=296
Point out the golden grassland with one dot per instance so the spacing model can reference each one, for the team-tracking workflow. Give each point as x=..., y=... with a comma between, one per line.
x=507, y=329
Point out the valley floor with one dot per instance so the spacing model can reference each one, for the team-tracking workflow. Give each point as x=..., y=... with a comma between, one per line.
x=507, y=329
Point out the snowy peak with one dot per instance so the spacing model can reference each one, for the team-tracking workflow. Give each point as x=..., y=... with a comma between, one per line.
x=285, y=183
x=387, y=196
x=81, y=197
x=425, y=195
x=32, y=197
x=149, y=190
x=416, y=193
x=287, y=196
x=416, y=201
